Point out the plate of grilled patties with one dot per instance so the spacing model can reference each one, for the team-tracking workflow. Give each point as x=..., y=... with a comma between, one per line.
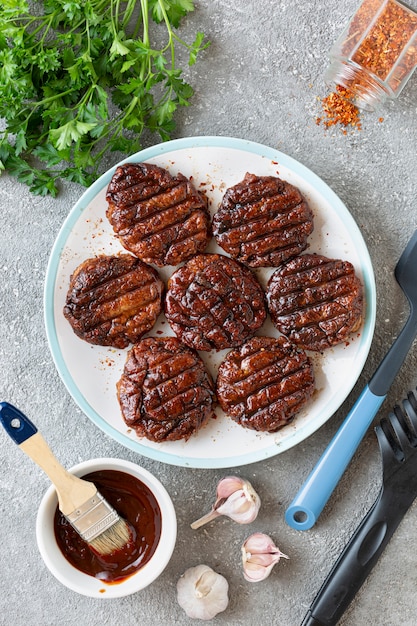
x=209, y=302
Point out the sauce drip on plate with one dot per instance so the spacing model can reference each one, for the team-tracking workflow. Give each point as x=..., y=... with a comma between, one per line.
x=135, y=502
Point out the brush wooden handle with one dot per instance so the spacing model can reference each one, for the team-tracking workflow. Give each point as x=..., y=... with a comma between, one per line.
x=72, y=491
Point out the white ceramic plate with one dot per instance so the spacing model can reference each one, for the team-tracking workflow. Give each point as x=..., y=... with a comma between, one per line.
x=90, y=372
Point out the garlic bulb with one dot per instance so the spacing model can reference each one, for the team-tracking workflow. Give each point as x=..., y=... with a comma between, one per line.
x=202, y=593
x=236, y=498
x=259, y=555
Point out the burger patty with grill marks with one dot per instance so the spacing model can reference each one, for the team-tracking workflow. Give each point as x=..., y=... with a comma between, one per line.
x=113, y=300
x=214, y=302
x=165, y=392
x=263, y=221
x=315, y=301
x=264, y=383
x=161, y=219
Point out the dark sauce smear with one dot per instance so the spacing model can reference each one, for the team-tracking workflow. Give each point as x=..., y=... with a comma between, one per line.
x=134, y=502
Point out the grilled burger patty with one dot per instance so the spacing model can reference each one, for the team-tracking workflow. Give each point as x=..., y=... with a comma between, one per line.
x=113, y=300
x=315, y=301
x=214, y=302
x=263, y=221
x=264, y=383
x=160, y=218
x=165, y=392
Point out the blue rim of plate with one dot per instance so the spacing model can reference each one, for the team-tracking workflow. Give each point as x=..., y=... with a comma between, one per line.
x=201, y=142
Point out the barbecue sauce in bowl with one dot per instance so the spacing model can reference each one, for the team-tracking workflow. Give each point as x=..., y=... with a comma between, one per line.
x=135, y=502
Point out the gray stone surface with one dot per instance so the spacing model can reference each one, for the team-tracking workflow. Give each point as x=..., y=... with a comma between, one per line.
x=260, y=80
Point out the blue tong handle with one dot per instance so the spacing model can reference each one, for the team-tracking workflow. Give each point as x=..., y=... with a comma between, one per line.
x=306, y=507
x=15, y=423
x=304, y=510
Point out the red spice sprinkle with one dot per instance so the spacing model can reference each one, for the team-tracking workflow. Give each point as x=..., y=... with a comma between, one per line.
x=338, y=108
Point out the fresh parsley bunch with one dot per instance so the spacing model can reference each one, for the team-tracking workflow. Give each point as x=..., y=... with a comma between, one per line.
x=81, y=77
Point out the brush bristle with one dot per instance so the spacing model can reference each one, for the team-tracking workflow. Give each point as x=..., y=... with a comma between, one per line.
x=113, y=539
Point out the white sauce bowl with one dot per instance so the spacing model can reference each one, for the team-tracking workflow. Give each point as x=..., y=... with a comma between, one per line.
x=88, y=585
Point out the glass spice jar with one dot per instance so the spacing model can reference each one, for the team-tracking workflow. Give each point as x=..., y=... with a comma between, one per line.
x=376, y=54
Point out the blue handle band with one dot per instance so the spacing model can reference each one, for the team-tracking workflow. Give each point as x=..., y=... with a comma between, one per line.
x=15, y=423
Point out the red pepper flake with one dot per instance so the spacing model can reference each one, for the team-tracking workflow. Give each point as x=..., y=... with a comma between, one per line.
x=107, y=361
x=339, y=109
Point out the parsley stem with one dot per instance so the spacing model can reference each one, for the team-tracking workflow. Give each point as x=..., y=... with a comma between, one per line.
x=170, y=44
x=145, y=18
x=49, y=99
x=128, y=12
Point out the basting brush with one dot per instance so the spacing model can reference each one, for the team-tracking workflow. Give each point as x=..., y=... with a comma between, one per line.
x=78, y=500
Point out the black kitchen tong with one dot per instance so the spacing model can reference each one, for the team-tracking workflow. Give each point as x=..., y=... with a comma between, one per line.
x=397, y=438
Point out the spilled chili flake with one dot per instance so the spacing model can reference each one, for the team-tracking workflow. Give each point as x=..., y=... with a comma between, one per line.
x=338, y=109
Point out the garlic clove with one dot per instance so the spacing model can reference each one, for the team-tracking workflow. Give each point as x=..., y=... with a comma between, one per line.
x=202, y=592
x=255, y=570
x=259, y=555
x=228, y=485
x=240, y=507
x=235, y=498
